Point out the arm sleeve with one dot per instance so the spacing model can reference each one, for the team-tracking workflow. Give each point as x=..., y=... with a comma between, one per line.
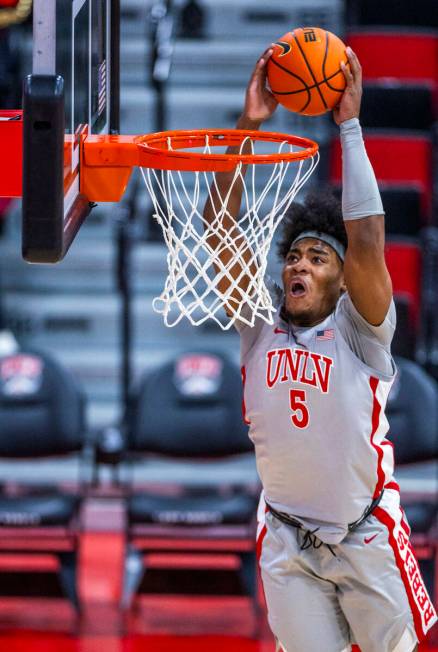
x=360, y=193
x=371, y=344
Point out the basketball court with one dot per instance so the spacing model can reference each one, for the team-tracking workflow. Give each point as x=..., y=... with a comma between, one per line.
x=160, y=624
x=66, y=156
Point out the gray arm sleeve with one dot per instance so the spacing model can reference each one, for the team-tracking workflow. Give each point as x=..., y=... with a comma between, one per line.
x=360, y=193
x=371, y=344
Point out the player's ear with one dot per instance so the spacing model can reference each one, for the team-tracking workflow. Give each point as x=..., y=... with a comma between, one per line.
x=343, y=285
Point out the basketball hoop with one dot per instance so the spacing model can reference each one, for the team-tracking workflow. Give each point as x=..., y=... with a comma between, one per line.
x=181, y=182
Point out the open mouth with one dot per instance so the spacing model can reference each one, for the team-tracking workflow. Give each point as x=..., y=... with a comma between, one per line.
x=298, y=289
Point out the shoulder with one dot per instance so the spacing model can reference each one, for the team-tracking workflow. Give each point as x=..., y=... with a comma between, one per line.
x=370, y=344
x=348, y=319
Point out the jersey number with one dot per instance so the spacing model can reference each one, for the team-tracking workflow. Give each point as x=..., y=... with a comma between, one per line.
x=297, y=401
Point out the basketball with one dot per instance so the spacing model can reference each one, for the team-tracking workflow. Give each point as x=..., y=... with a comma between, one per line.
x=304, y=71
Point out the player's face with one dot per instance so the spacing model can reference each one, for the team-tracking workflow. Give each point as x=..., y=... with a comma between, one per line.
x=313, y=281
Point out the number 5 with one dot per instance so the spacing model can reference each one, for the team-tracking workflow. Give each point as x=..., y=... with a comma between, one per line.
x=297, y=401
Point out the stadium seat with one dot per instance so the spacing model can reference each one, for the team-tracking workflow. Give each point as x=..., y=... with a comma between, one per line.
x=403, y=258
x=429, y=349
x=392, y=12
x=189, y=409
x=412, y=412
x=382, y=101
x=407, y=57
x=405, y=338
x=41, y=417
x=402, y=204
x=397, y=160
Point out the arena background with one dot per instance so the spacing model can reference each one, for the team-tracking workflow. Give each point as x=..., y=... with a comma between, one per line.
x=78, y=530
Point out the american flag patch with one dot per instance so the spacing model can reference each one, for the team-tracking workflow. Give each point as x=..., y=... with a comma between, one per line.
x=327, y=334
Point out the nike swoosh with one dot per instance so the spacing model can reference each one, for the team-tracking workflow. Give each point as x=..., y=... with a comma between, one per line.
x=278, y=330
x=370, y=539
x=286, y=47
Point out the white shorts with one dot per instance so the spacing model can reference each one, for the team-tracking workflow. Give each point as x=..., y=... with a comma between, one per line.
x=369, y=592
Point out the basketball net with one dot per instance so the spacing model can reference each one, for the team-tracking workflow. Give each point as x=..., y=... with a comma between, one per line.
x=194, y=268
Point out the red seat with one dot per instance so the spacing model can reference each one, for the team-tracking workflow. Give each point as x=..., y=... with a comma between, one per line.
x=408, y=56
x=396, y=161
x=403, y=259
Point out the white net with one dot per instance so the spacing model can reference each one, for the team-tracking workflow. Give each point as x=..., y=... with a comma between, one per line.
x=210, y=266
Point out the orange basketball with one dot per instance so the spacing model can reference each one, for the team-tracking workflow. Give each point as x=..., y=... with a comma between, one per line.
x=304, y=71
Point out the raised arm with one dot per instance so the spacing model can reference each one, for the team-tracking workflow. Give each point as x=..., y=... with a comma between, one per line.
x=366, y=275
x=259, y=106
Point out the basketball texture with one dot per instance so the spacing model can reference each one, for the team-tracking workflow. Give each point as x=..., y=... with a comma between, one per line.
x=304, y=71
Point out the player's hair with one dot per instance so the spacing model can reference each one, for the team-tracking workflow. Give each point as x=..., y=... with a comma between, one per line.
x=320, y=211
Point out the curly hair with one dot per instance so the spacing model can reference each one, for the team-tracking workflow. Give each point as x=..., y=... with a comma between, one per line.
x=321, y=211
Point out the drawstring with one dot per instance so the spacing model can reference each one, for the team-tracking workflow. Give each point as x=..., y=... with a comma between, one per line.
x=309, y=538
x=311, y=541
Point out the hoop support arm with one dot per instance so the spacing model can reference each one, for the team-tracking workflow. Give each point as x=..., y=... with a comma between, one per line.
x=106, y=166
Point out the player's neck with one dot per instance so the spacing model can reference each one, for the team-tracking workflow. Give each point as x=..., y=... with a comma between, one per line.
x=304, y=320
x=310, y=318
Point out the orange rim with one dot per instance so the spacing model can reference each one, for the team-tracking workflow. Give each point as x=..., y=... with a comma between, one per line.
x=154, y=152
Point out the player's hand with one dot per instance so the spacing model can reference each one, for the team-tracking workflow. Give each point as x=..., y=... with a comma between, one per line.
x=349, y=106
x=260, y=104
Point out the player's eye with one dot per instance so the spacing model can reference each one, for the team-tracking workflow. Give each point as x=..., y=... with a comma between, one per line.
x=317, y=259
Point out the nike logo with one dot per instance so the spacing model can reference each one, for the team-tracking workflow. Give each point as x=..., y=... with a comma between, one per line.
x=369, y=539
x=285, y=46
x=278, y=330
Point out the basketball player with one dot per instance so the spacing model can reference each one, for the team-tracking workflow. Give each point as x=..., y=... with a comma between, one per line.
x=336, y=562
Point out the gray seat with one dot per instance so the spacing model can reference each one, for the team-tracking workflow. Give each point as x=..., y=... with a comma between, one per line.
x=189, y=409
x=42, y=415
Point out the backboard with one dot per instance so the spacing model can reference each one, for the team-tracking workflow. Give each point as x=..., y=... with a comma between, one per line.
x=73, y=90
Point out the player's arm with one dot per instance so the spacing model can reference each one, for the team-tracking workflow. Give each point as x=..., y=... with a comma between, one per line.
x=366, y=275
x=259, y=106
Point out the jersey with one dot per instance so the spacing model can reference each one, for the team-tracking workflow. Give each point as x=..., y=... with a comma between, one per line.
x=314, y=400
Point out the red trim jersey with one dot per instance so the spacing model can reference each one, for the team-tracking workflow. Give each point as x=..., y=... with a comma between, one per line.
x=314, y=399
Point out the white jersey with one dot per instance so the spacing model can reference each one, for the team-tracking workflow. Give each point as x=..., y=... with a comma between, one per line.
x=314, y=400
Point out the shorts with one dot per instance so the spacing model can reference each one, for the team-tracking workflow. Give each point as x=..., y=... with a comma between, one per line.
x=366, y=590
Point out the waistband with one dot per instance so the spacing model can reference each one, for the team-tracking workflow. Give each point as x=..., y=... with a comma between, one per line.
x=290, y=520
